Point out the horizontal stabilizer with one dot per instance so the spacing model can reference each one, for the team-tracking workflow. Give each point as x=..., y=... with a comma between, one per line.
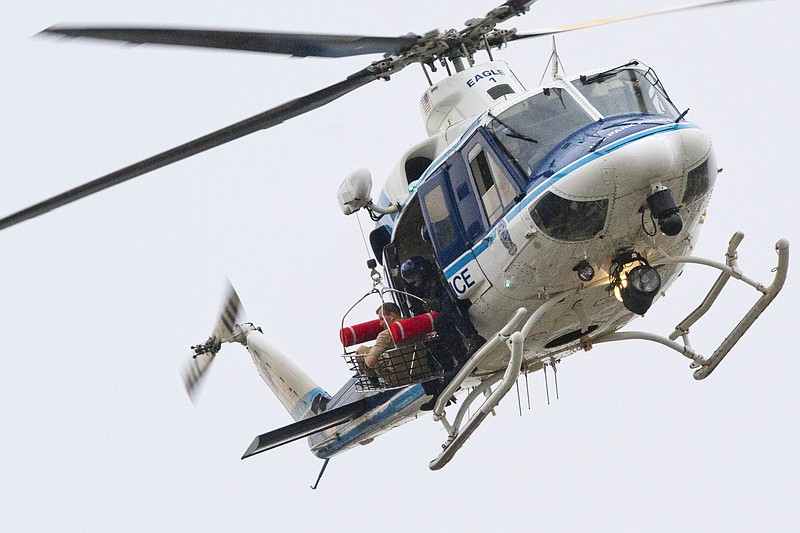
x=306, y=427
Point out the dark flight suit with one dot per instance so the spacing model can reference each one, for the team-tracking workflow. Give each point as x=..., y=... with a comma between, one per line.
x=452, y=326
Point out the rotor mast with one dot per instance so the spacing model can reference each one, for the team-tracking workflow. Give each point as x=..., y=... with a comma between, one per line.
x=453, y=45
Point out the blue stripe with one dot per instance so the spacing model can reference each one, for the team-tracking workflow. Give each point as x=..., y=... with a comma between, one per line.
x=585, y=160
x=302, y=406
x=470, y=255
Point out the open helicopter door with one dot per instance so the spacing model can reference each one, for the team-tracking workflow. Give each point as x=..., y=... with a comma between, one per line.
x=453, y=221
x=461, y=202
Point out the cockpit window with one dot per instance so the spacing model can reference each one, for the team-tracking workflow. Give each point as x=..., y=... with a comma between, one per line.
x=569, y=220
x=626, y=91
x=529, y=130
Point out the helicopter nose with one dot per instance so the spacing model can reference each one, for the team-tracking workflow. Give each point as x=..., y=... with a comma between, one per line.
x=669, y=157
x=648, y=161
x=639, y=163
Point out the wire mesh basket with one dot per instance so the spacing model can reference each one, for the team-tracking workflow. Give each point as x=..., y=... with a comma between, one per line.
x=398, y=367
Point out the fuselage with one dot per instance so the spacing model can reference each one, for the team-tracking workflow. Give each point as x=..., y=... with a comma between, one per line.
x=528, y=189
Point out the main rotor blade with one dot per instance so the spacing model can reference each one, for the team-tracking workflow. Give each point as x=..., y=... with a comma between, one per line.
x=601, y=22
x=293, y=44
x=262, y=121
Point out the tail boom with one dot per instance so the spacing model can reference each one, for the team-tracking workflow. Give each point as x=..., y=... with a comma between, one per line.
x=298, y=393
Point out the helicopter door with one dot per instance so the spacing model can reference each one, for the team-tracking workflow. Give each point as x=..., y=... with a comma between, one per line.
x=495, y=194
x=454, y=221
x=494, y=186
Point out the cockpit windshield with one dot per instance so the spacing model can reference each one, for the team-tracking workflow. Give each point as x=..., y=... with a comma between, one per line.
x=529, y=130
x=626, y=91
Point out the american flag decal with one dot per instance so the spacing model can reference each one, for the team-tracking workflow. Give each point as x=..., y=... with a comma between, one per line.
x=425, y=103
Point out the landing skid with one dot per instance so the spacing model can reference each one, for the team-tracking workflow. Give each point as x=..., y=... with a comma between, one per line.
x=705, y=365
x=458, y=434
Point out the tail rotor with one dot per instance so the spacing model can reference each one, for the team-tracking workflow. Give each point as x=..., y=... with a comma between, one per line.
x=204, y=354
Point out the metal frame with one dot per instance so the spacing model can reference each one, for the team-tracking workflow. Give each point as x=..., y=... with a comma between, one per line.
x=705, y=365
x=515, y=341
x=402, y=366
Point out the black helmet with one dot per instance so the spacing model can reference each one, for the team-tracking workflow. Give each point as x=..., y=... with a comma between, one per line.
x=415, y=265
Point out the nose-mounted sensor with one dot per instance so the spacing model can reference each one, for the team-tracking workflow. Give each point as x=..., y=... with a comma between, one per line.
x=665, y=210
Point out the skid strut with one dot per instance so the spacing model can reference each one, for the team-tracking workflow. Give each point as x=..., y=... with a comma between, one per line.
x=457, y=435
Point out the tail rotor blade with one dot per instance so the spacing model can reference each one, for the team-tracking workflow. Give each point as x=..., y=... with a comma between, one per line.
x=204, y=353
x=195, y=370
x=228, y=316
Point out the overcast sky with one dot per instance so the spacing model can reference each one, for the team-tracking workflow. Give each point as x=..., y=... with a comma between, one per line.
x=102, y=299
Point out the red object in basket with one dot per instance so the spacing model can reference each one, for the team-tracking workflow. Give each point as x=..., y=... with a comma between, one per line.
x=411, y=327
x=360, y=333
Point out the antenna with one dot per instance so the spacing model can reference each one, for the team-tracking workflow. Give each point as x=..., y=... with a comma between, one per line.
x=554, y=60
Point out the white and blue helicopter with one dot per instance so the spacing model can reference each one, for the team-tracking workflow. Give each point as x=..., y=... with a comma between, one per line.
x=555, y=216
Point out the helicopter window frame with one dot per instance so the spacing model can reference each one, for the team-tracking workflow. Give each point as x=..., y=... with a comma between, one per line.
x=442, y=217
x=465, y=199
x=698, y=182
x=443, y=229
x=619, y=92
x=495, y=189
x=446, y=202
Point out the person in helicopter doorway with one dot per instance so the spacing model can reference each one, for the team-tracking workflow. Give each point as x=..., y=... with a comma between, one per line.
x=456, y=332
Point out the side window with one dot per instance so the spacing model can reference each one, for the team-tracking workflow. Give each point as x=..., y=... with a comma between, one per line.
x=494, y=188
x=465, y=201
x=441, y=222
x=442, y=217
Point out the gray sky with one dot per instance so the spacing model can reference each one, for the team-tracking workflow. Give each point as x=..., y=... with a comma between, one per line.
x=102, y=299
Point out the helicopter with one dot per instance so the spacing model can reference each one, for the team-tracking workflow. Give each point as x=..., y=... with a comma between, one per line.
x=534, y=304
